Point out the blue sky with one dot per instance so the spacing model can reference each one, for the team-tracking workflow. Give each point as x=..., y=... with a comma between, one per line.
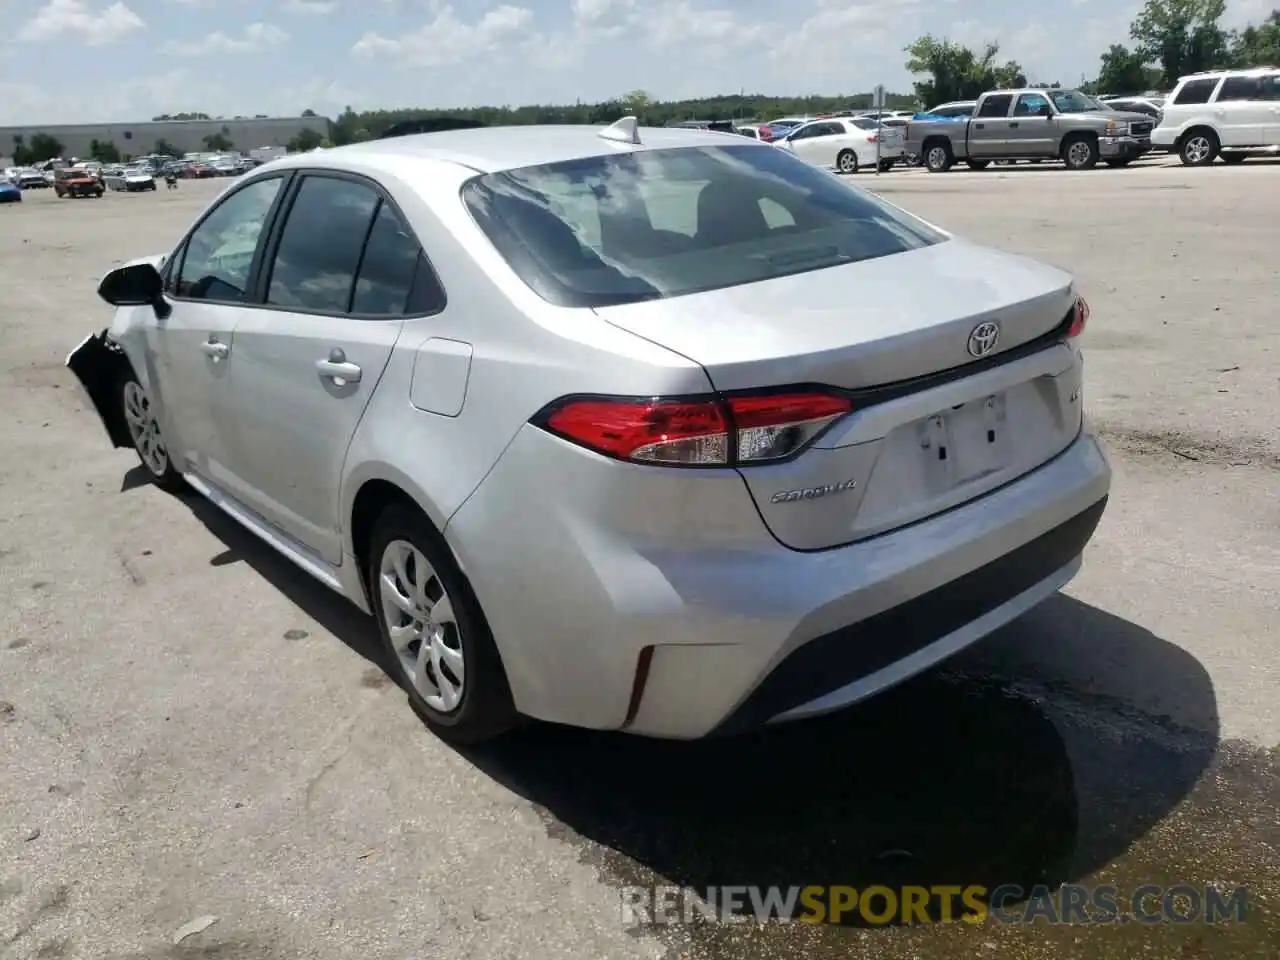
x=132, y=59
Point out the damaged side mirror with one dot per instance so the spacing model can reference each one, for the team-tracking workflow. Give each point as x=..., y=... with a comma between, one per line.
x=136, y=285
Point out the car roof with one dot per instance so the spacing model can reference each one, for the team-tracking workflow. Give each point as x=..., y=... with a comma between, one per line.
x=493, y=149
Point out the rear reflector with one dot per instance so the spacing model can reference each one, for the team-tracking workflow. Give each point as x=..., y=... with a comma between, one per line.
x=711, y=432
x=1079, y=319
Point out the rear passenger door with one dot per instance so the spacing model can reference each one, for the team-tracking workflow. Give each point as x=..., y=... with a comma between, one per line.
x=337, y=282
x=989, y=128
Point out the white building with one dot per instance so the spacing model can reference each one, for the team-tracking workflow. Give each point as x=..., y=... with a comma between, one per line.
x=138, y=139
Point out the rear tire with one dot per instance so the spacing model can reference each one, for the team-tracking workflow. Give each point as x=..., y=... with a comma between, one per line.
x=1118, y=164
x=429, y=620
x=144, y=430
x=847, y=162
x=938, y=157
x=977, y=164
x=885, y=166
x=1234, y=157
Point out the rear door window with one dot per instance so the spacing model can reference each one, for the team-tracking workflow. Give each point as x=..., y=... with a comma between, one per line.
x=626, y=227
x=392, y=268
x=996, y=106
x=1240, y=88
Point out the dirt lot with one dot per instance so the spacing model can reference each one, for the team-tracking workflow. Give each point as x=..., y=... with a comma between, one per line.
x=190, y=729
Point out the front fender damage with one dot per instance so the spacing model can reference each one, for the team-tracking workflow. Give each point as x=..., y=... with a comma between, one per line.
x=100, y=364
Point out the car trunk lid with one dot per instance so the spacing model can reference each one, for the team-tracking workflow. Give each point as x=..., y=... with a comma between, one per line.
x=933, y=424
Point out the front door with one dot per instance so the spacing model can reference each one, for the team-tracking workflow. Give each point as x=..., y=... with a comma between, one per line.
x=206, y=283
x=1242, y=114
x=308, y=359
x=1029, y=132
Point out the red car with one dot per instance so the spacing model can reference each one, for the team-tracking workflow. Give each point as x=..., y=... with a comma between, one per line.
x=76, y=183
x=200, y=171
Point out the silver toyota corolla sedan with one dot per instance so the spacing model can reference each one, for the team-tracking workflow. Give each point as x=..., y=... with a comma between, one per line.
x=662, y=431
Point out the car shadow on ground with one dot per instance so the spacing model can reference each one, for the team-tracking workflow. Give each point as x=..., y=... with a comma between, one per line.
x=952, y=778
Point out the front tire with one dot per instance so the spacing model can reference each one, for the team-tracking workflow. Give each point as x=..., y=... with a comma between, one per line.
x=847, y=162
x=1198, y=148
x=1080, y=153
x=437, y=643
x=148, y=442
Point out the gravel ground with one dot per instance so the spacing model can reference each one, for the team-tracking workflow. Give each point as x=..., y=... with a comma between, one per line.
x=190, y=729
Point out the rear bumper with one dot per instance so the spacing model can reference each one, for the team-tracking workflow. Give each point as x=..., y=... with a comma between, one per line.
x=1123, y=148
x=619, y=602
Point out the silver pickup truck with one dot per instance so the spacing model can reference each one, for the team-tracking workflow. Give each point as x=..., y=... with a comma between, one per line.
x=1035, y=124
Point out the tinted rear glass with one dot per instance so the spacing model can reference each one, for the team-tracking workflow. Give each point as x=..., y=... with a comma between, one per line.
x=662, y=223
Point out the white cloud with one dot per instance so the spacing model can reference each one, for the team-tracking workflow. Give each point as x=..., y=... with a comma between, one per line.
x=598, y=11
x=60, y=18
x=448, y=40
x=313, y=8
x=256, y=38
x=679, y=22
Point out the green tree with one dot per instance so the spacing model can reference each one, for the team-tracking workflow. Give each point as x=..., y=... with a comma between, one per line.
x=311, y=113
x=182, y=116
x=1182, y=36
x=1257, y=46
x=957, y=73
x=104, y=151
x=637, y=103
x=1123, y=71
x=304, y=140
x=39, y=148
x=218, y=142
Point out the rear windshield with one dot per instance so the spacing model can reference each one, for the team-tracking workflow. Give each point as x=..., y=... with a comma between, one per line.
x=662, y=223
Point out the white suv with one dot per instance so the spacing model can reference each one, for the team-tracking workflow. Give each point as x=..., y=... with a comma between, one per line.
x=1224, y=113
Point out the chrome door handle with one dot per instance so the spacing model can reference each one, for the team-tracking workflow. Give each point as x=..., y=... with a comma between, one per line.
x=214, y=349
x=337, y=369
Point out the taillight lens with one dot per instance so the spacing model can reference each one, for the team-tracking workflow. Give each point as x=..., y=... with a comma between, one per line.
x=735, y=431
x=872, y=138
x=1079, y=319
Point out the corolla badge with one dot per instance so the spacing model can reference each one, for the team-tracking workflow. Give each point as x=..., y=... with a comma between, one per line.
x=983, y=338
x=812, y=493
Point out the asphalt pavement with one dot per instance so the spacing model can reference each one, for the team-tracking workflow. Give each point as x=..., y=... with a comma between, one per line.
x=199, y=745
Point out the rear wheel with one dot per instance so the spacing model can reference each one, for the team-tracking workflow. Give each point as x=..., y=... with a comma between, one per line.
x=847, y=162
x=886, y=166
x=144, y=430
x=1117, y=164
x=977, y=164
x=1233, y=157
x=938, y=158
x=433, y=631
x=1198, y=148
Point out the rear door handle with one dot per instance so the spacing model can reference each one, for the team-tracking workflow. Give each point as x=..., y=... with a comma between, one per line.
x=214, y=349
x=980, y=126
x=1013, y=123
x=337, y=369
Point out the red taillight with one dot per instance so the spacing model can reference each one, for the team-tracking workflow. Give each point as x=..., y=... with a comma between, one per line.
x=1079, y=319
x=872, y=138
x=739, y=430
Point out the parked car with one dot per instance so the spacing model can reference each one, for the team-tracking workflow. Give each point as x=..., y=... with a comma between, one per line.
x=1153, y=107
x=845, y=144
x=640, y=495
x=1226, y=113
x=1038, y=124
x=131, y=180
x=32, y=179
x=10, y=192
x=199, y=171
x=70, y=182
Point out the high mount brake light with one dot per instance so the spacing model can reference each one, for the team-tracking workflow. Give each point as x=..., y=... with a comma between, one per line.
x=1079, y=319
x=697, y=432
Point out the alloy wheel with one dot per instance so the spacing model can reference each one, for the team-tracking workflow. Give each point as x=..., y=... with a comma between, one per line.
x=422, y=626
x=1197, y=149
x=144, y=430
